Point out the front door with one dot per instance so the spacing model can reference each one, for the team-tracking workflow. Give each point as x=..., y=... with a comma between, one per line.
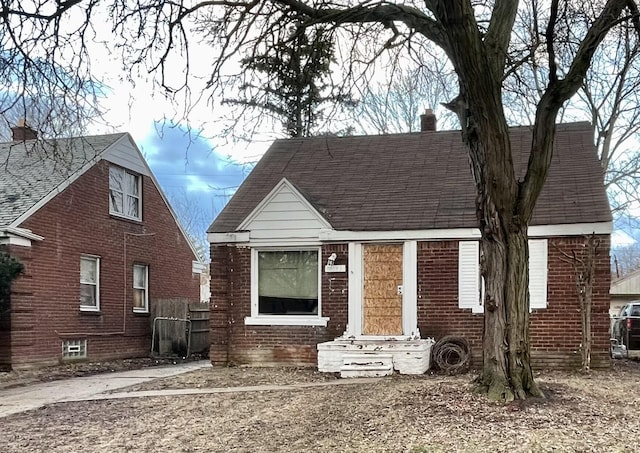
x=382, y=289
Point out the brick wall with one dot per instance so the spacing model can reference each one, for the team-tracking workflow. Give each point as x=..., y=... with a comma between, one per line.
x=438, y=312
x=233, y=341
x=555, y=331
x=45, y=300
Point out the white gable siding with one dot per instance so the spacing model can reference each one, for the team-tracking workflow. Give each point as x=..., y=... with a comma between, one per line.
x=125, y=154
x=284, y=214
x=629, y=284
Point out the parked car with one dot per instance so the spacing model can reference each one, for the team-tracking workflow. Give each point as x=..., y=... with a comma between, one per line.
x=626, y=326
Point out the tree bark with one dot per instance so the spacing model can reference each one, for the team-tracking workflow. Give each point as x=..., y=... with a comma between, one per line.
x=504, y=256
x=507, y=373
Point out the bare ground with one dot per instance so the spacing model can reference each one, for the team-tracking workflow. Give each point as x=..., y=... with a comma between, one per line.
x=432, y=413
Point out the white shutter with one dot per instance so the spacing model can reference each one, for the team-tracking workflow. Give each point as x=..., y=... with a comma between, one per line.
x=469, y=276
x=537, y=273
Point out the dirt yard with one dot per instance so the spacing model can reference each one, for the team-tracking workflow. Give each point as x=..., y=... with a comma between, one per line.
x=599, y=412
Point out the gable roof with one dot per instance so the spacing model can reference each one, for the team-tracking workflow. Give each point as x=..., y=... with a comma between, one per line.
x=33, y=170
x=417, y=181
x=285, y=189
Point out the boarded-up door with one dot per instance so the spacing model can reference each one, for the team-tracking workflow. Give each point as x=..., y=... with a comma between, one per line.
x=382, y=305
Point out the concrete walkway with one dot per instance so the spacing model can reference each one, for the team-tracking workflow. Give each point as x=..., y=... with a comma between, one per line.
x=22, y=399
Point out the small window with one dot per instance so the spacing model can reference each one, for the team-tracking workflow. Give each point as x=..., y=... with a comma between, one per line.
x=89, y=283
x=140, y=288
x=74, y=349
x=124, y=193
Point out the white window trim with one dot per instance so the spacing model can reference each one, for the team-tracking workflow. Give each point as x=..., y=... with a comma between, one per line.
x=144, y=309
x=257, y=319
x=471, y=283
x=126, y=194
x=96, y=259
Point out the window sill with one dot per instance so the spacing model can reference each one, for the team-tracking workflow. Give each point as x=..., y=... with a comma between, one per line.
x=122, y=217
x=140, y=313
x=283, y=320
x=90, y=312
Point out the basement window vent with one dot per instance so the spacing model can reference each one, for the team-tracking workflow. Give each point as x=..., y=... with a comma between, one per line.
x=74, y=349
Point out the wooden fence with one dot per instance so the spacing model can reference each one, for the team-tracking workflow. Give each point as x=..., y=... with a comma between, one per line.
x=199, y=315
x=172, y=317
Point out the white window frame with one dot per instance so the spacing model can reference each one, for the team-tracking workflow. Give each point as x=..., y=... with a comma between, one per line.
x=96, y=260
x=125, y=193
x=471, y=283
x=145, y=288
x=258, y=319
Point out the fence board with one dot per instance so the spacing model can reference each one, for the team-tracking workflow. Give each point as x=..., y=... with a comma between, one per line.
x=196, y=312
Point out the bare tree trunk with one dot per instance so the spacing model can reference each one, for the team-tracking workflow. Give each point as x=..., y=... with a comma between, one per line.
x=506, y=373
x=583, y=261
x=585, y=311
x=504, y=256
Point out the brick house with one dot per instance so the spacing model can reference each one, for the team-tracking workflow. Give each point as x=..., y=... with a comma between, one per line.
x=337, y=246
x=100, y=245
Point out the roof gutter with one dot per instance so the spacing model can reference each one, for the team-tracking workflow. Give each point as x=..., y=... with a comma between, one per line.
x=18, y=236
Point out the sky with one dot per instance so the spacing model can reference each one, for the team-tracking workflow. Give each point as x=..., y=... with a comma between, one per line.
x=196, y=169
x=198, y=174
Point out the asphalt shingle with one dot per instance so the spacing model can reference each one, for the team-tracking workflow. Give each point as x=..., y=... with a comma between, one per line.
x=31, y=170
x=417, y=181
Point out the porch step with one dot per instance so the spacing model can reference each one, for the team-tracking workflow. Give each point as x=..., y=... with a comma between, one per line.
x=366, y=365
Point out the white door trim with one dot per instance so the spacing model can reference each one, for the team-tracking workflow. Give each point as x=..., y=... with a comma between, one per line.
x=409, y=298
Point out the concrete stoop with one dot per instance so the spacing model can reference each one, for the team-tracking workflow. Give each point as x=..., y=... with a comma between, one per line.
x=359, y=358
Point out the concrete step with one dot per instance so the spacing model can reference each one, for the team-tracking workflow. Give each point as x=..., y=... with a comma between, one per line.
x=366, y=365
x=370, y=371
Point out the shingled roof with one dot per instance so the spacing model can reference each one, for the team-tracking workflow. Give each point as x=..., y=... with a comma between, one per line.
x=417, y=181
x=32, y=169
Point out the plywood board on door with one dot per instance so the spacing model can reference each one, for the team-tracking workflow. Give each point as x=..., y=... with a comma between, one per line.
x=382, y=305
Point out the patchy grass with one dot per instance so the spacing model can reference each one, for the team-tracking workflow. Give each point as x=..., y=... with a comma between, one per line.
x=431, y=413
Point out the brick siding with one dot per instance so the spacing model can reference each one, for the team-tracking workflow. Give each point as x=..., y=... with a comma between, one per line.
x=555, y=331
x=45, y=300
x=234, y=342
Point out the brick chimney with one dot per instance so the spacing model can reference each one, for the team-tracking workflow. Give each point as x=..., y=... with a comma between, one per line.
x=428, y=121
x=22, y=132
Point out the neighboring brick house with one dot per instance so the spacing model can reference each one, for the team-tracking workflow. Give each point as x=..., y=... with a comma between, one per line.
x=334, y=246
x=100, y=245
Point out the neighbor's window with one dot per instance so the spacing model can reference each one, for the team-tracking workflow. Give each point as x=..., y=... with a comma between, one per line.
x=74, y=349
x=288, y=282
x=90, y=283
x=124, y=193
x=140, y=288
